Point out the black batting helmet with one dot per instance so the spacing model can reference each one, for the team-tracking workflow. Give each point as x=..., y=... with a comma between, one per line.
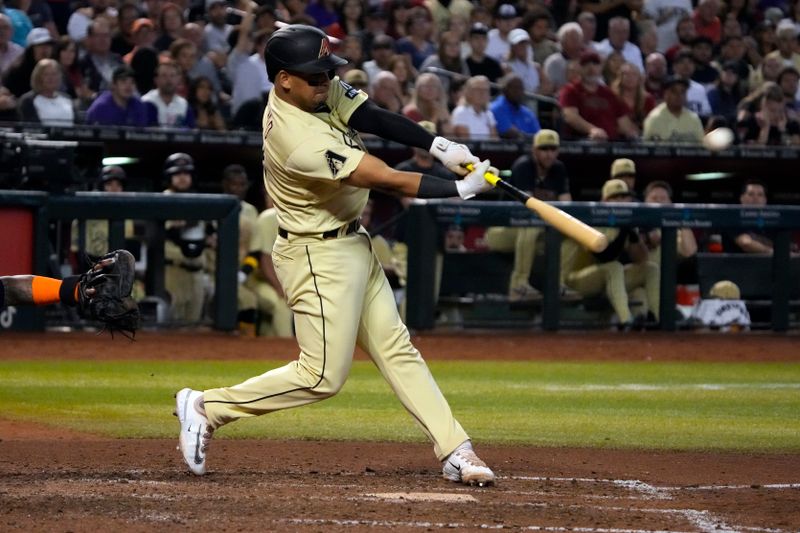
x=299, y=48
x=177, y=163
x=112, y=172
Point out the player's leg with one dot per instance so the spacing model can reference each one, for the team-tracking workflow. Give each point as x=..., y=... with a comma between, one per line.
x=615, y=290
x=324, y=283
x=648, y=276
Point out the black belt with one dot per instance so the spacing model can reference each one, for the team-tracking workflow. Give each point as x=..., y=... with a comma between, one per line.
x=352, y=227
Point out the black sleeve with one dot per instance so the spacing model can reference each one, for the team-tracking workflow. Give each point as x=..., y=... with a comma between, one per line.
x=369, y=118
x=523, y=174
x=614, y=248
x=2, y=294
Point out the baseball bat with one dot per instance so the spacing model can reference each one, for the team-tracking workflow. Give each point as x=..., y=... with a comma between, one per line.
x=563, y=222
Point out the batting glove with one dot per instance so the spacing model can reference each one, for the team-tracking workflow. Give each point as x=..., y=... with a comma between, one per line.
x=452, y=155
x=474, y=182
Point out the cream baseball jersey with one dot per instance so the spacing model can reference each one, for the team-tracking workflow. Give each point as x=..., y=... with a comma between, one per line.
x=305, y=158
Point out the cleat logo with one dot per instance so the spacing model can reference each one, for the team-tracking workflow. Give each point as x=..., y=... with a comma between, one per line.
x=457, y=467
x=198, y=459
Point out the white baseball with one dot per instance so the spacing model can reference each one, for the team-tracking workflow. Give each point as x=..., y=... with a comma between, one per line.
x=718, y=139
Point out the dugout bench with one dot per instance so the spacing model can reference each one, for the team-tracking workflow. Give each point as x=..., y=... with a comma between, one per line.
x=426, y=218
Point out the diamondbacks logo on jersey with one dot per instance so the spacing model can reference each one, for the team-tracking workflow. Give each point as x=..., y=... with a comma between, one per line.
x=324, y=48
x=335, y=162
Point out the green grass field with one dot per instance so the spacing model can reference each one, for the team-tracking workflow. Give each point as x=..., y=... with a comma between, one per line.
x=714, y=406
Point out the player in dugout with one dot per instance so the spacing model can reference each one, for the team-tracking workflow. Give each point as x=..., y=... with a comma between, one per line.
x=319, y=176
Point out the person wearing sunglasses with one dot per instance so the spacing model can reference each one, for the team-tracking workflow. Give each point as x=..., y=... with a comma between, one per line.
x=319, y=177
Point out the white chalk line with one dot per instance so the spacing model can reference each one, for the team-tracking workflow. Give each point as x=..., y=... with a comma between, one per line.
x=646, y=387
x=458, y=525
x=653, y=489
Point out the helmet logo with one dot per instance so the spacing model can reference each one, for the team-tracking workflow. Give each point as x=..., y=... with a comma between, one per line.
x=324, y=48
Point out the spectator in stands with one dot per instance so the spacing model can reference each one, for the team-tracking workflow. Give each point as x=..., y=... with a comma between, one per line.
x=478, y=63
x=591, y=110
x=629, y=87
x=765, y=40
x=172, y=110
x=8, y=105
x=706, y=21
x=768, y=70
x=170, y=25
x=588, y=24
x=417, y=43
x=726, y=94
x=201, y=100
x=696, y=96
x=444, y=12
x=514, y=119
x=120, y=106
x=655, y=72
x=429, y=103
x=671, y=121
x=570, y=38
x=755, y=241
x=473, y=119
x=702, y=53
x=788, y=81
x=505, y=20
x=99, y=63
x=39, y=46
x=659, y=192
x=610, y=272
x=193, y=32
x=541, y=174
x=381, y=51
x=786, y=42
x=144, y=62
x=9, y=50
x=193, y=66
x=619, y=32
x=770, y=125
x=604, y=11
x=246, y=67
x=520, y=63
x=625, y=169
x=447, y=61
x=666, y=14
x=350, y=19
x=122, y=41
x=732, y=50
x=44, y=104
x=323, y=12
x=537, y=22
x=376, y=23
x=217, y=30
x=82, y=18
x=400, y=65
x=385, y=92
x=72, y=83
x=399, y=11
x=611, y=65
x=686, y=33
x=143, y=35
x=357, y=79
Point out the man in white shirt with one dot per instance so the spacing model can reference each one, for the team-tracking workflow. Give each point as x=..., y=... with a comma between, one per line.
x=570, y=37
x=173, y=110
x=9, y=50
x=666, y=14
x=217, y=31
x=619, y=30
x=505, y=21
x=78, y=24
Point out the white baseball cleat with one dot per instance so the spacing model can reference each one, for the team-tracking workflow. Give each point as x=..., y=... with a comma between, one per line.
x=195, y=434
x=464, y=466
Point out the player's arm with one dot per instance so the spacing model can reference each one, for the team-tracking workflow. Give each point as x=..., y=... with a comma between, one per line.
x=369, y=118
x=37, y=290
x=372, y=173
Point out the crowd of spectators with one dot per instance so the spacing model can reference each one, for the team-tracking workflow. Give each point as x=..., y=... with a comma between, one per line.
x=477, y=69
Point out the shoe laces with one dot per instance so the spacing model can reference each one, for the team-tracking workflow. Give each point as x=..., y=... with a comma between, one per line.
x=469, y=457
x=206, y=440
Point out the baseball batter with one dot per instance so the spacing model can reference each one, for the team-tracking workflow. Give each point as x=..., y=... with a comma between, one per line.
x=319, y=175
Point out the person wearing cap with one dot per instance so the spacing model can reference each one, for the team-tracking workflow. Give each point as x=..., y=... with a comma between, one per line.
x=696, y=96
x=591, y=110
x=609, y=272
x=217, y=30
x=478, y=63
x=570, y=40
x=44, y=104
x=98, y=65
x=723, y=310
x=39, y=45
x=505, y=20
x=381, y=51
x=726, y=94
x=357, y=78
x=514, y=119
x=143, y=34
x=520, y=63
x=671, y=121
x=9, y=50
x=119, y=105
x=705, y=73
x=541, y=174
x=625, y=170
x=619, y=32
x=94, y=240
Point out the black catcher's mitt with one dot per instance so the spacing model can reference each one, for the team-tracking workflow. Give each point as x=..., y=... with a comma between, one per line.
x=104, y=293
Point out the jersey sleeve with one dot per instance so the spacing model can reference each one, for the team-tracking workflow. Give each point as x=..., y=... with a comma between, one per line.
x=344, y=99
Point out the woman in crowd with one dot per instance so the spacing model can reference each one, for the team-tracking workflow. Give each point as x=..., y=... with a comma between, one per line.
x=400, y=65
x=770, y=125
x=351, y=19
x=429, y=102
x=726, y=94
x=398, y=10
x=629, y=87
x=72, y=78
x=201, y=100
x=44, y=104
x=448, y=58
x=170, y=24
x=18, y=76
x=417, y=43
x=473, y=119
x=611, y=65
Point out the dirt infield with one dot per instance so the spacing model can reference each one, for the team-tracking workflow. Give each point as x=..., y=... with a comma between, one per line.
x=52, y=480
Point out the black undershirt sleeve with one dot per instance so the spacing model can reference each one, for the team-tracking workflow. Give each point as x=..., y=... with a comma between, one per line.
x=614, y=249
x=433, y=187
x=369, y=118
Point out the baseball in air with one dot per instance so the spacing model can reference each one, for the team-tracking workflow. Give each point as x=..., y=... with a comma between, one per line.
x=718, y=139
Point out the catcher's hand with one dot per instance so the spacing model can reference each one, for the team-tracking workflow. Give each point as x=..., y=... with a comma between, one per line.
x=104, y=293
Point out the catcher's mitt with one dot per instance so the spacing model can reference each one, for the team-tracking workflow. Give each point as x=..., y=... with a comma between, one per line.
x=104, y=293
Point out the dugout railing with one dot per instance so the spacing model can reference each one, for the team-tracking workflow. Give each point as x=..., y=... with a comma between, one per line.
x=427, y=218
x=119, y=207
